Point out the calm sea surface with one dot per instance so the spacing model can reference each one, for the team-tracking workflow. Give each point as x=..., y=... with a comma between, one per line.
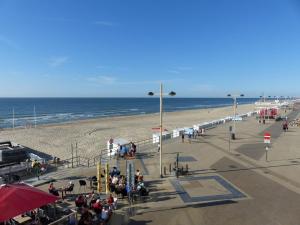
x=28, y=111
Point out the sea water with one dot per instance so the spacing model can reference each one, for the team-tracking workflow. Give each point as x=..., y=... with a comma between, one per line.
x=31, y=111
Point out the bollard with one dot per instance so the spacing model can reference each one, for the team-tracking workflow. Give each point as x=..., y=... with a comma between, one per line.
x=88, y=162
x=267, y=149
x=170, y=168
x=165, y=170
x=187, y=168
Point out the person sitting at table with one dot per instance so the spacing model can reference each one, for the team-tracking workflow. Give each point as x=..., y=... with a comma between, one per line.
x=80, y=201
x=140, y=178
x=123, y=151
x=97, y=207
x=111, y=202
x=86, y=218
x=105, y=213
x=142, y=190
x=120, y=189
x=114, y=180
x=133, y=147
x=113, y=172
x=92, y=201
x=53, y=190
x=110, y=199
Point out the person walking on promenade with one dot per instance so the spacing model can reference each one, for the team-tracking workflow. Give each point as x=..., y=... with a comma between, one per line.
x=190, y=136
x=36, y=166
x=182, y=137
x=195, y=134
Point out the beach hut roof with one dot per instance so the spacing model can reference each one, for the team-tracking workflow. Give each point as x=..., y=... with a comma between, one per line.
x=121, y=141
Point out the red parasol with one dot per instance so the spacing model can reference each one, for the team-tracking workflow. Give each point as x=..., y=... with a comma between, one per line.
x=16, y=199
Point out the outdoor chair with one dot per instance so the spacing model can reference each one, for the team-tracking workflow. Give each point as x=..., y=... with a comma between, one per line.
x=70, y=189
x=82, y=183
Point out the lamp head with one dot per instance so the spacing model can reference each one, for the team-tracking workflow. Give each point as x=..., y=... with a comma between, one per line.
x=242, y=95
x=150, y=93
x=172, y=93
x=229, y=95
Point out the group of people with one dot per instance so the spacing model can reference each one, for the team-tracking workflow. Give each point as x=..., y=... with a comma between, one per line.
x=191, y=135
x=119, y=186
x=140, y=187
x=124, y=151
x=93, y=208
x=64, y=190
x=117, y=182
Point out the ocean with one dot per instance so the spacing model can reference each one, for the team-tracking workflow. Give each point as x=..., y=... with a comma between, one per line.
x=31, y=111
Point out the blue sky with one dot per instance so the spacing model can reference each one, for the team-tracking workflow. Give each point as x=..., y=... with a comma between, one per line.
x=203, y=48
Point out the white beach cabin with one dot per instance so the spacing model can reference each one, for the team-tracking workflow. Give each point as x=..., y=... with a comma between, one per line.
x=165, y=135
x=113, y=145
x=177, y=132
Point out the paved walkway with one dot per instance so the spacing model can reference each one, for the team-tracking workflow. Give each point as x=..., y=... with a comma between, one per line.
x=228, y=185
x=230, y=182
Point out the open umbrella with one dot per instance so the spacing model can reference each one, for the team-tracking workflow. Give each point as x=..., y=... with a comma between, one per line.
x=16, y=199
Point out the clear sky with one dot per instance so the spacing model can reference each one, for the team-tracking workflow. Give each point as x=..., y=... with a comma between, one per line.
x=200, y=48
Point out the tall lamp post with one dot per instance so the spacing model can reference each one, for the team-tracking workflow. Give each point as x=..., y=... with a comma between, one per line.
x=234, y=96
x=161, y=94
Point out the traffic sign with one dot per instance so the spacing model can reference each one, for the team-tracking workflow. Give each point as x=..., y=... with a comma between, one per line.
x=267, y=138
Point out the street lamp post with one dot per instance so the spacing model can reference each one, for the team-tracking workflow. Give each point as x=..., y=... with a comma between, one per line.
x=161, y=94
x=234, y=96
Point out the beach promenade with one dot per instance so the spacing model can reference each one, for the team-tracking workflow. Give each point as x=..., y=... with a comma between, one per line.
x=226, y=186
x=229, y=182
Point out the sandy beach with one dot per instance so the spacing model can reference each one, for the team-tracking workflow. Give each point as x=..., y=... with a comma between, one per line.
x=92, y=135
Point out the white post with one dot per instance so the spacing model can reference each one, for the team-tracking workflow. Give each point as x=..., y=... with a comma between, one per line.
x=161, y=127
x=13, y=121
x=267, y=149
x=34, y=114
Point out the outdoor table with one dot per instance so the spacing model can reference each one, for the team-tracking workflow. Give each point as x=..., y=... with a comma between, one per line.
x=22, y=219
x=62, y=190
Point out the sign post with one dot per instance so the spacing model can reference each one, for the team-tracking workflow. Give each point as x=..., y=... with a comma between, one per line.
x=267, y=138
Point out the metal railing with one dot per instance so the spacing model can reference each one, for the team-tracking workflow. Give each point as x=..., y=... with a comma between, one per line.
x=65, y=220
x=92, y=161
